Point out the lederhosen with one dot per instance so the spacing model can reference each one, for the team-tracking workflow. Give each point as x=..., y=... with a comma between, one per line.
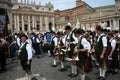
x=61, y=53
x=52, y=46
x=113, y=64
x=23, y=56
x=81, y=55
x=72, y=46
x=98, y=51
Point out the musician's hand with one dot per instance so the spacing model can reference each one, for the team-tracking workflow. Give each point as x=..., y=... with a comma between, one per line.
x=73, y=61
x=75, y=51
x=110, y=55
x=28, y=62
x=68, y=43
x=93, y=50
x=101, y=56
x=88, y=55
x=54, y=51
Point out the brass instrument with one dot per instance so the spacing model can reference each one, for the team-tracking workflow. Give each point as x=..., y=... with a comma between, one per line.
x=75, y=57
x=77, y=54
x=60, y=53
x=68, y=45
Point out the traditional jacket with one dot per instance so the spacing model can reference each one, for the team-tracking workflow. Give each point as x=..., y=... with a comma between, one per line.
x=72, y=46
x=99, y=46
x=23, y=53
x=52, y=43
x=80, y=46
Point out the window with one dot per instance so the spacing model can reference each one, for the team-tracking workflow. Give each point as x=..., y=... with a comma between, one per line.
x=108, y=23
x=20, y=28
x=25, y=18
x=26, y=27
x=49, y=9
x=38, y=28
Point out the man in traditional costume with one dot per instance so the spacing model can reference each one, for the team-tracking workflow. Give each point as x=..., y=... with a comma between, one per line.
x=100, y=52
x=53, y=48
x=61, y=54
x=71, y=43
x=81, y=51
x=25, y=56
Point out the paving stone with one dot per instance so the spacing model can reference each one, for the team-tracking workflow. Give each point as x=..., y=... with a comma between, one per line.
x=42, y=67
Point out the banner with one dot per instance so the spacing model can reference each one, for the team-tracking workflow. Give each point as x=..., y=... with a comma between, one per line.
x=2, y=23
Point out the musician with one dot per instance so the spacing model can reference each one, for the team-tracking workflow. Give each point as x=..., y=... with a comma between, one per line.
x=112, y=54
x=81, y=51
x=100, y=52
x=61, y=54
x=53, y=48
x=71, y=43
x=25, y=56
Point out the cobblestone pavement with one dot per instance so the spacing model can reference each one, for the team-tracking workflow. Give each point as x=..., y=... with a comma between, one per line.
x=42, y=66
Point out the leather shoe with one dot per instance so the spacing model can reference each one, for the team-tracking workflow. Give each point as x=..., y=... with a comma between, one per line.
x=72, y=75
x=102, y=78
x=98, y=77
x=62, y=69
x=53, y=65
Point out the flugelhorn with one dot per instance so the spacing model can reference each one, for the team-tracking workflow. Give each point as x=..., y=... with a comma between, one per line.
x=75, y=57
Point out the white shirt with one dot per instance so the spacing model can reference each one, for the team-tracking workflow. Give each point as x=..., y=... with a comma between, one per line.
x=113, y=43
x=85, y=43
x=64, y=40
x=75, y=38
x=55, y=39
x=28, y=49
x=18, y=41
x=29, y=41
x=104, y=40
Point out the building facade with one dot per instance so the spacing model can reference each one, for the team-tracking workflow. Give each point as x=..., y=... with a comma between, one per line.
x=107, y=16
x=29, y=16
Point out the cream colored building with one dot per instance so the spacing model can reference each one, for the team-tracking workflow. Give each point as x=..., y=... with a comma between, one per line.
x=108, y=16
x=29, y=16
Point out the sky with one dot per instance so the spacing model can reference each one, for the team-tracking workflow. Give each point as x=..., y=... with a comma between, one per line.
x=67, y=4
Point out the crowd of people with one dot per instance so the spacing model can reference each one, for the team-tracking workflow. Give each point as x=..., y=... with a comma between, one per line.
x=78, y=47
x=82, y=48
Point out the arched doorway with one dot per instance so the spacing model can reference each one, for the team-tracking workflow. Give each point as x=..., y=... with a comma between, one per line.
x=50, y=26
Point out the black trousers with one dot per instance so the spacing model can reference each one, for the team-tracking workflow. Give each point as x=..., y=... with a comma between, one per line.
x=25, y=66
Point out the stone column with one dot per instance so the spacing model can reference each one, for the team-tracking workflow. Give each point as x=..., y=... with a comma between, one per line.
x=111, y=25
x=115, y=24
x=18, y=26
x=28, y=22
x=23, y=28
x=33, y=22
x=46, y=23
x=40, y=23
x=15, y=23
x=53, y=23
